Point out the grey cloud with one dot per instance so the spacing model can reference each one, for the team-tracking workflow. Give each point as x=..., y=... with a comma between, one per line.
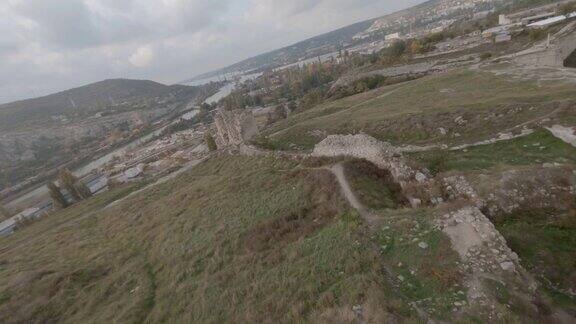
x=60, y=22
x=74, y=24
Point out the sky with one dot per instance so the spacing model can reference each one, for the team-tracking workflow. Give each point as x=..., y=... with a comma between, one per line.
x=53, y=45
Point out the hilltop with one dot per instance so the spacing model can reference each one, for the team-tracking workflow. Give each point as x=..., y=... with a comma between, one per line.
x=87, y=99
x=289, y=237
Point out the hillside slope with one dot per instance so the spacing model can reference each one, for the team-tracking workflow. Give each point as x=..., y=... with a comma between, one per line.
x=236, y=239
x=273, y=238
x=87, y=99
x=453, y=108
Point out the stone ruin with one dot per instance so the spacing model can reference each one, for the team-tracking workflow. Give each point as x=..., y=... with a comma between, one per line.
x=235, y=127
x=381, y=154
x=500, y=193
x=484, y=252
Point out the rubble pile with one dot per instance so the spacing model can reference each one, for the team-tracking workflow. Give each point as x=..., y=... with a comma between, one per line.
x=484, y=254
x=543, y=187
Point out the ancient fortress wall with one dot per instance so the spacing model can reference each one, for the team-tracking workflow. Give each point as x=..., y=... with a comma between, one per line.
x=381, y=154
x=550, y=186
x=561, y=46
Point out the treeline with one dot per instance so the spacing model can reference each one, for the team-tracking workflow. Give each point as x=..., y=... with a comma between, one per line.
x=298, y=88
x=302, y=87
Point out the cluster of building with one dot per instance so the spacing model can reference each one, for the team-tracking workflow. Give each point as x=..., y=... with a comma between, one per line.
x=534, y=18
x=153, y=158
x=430, y=19
x=156, y=157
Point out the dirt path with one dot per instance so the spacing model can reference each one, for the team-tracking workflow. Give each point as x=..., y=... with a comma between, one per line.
x=370, y=218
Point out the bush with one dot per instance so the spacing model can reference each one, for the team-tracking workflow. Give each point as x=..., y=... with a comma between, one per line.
x=397, y=49
x=537, y=34
x=485, y=56
x=438, y=163
x=210, y=142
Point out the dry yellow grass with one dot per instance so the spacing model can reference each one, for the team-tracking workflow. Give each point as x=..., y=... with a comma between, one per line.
x=236, y=239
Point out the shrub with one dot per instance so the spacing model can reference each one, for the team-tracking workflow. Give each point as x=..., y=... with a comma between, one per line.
x=537, y=34
x=438, y=163
x=210, y=142
x=485, y=56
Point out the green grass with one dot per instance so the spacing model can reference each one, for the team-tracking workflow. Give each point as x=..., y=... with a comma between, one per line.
x=236, y=239
x=546, y=244
x=537, y=148
x=373, y=186
x=430, y=276
x=412, y=112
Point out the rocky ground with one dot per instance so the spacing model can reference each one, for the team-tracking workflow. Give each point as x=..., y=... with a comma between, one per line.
x=484, y=255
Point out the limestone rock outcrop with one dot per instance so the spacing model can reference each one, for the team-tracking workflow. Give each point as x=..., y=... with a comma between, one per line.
x=484, y=253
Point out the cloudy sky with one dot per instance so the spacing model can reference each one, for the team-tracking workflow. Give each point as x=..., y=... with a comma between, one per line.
x=51, y=45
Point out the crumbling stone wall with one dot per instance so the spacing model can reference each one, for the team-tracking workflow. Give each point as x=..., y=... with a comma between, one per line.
x=484, y=252
x=496, y=193
x=235, y=127
x=561, y=46
x=381, y=154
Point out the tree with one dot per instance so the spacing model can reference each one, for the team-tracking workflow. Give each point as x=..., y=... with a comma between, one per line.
x=83, y=190
x=397, y=49
x=58, y=198
x=210, y=142
x=416, y=47
x=77, y=189
x=68, y=181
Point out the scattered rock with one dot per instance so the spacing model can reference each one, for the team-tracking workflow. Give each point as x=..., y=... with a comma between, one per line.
x=421, y=177
x=507, y=266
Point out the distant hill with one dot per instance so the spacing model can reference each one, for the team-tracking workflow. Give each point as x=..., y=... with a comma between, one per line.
x=292, y=53
x=318, y=45
x=86, y=99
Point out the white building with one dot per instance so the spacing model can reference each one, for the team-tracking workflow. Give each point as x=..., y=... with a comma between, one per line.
x=7, y=226
x=391, y=37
